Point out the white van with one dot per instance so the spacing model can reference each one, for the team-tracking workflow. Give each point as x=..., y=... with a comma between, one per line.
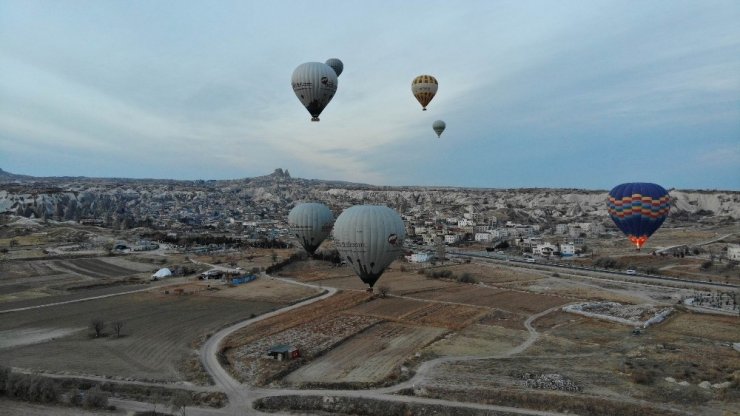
x=630, y=271
x=530, y=260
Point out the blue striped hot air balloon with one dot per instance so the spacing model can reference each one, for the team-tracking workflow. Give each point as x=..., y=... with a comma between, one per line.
x=638, y=209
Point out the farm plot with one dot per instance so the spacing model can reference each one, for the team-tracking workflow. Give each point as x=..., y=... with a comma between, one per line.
x=498, y=275
x=312, y=338
x=512, y=301
x=445, y=315
x=263, y=289
x=369, y=357
x=390, y=308
x=478, y=340
x=156, y=337
x=462, y=293
x=96, y=268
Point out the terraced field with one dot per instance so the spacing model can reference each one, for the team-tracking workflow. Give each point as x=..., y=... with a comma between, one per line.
x=368, y=357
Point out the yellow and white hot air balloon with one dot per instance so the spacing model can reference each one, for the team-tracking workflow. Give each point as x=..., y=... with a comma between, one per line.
x=424, y=88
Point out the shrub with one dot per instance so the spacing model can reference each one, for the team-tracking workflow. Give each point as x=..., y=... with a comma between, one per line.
x=383, y=291
x=642, y=376
x=707, y=265
x=95, y=398
x=466, y=278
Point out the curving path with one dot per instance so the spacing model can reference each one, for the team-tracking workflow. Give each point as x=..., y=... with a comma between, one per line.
x=241, y=396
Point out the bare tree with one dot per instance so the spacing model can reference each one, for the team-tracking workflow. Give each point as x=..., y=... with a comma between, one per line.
x=117, y=326
x=97, y=325
x=383, y=291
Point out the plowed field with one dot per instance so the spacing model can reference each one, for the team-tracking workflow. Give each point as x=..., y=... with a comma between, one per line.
x=368, y=357
x=158, y=333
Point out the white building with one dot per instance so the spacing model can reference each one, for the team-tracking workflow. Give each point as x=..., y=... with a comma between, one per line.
x=567, y=249
x=561, y=228
x=544, y=249
x=451, y=238
x=419, y=257
x=420, y=230
x=483, y=237
x=733, y=252
x=465, y=223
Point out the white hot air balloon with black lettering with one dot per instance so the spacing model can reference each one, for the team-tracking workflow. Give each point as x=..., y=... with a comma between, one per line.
x=369, y=238
x=311, y=223
x=336, y=65
x=424, y=88
x=438, y=127
x=314, y=84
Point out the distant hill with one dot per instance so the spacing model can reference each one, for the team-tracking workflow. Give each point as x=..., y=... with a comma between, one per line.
x=170, y=202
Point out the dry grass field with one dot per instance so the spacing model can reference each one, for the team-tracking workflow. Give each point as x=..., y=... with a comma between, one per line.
x=368, y=357
x=153, y=346
x=478, y=339
x=28, y=279
x=606, y=362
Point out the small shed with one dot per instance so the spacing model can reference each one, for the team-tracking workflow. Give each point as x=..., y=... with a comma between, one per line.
x=284, y=352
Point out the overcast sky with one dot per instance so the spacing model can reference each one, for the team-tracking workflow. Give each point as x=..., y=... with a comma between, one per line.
x=584, y=94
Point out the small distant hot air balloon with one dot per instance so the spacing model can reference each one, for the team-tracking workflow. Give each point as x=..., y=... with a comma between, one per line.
x=369, y=238
x=438, y=127
x=314, y=84
x=638, y=209
x=336, y=65
x=424, y=87
x=311, y=223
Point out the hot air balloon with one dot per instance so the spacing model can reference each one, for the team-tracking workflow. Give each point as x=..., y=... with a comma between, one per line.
x=438, y=127
x=424, y=87
x=336, y=65
x=311, y=223
x=314, y=84
x=369, y=238
x=638, y=209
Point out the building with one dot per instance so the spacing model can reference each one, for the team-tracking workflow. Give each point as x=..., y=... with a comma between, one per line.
x=451, y=238
x=544, y=249
x=567, y=249
x=284, y=352
x=419, y=257
x=733, y=252
x=484, y=237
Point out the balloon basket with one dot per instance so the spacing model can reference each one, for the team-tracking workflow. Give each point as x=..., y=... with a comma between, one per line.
x=315, y=119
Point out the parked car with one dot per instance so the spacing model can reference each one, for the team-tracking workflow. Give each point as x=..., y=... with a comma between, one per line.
x=630, y=271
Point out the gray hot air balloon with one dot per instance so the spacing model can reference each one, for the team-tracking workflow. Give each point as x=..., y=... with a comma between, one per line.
x=311, y=223
x=314, y=84
x=369, y=238
x=336, y=65
x=439, y=127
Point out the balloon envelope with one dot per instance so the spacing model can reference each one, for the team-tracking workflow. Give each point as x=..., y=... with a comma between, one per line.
x=424, y=88
x=638, y=209
x=314, y=84
x=336, y=65
x=438, y=127
x=369, y=238
x=311, y=223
